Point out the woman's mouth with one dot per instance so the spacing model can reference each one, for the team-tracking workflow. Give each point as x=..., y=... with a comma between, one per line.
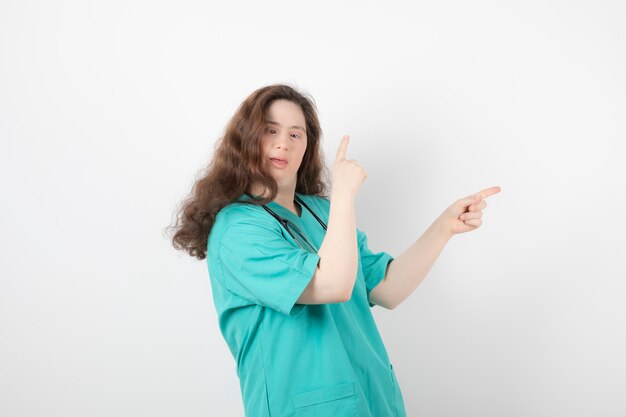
x=279, y=163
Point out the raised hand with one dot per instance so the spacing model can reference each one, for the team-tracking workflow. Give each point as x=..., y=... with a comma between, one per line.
x=465, y=214
x=348, y=175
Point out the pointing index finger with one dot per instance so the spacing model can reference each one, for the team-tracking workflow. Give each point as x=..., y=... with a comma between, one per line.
x=343, y=146
x=488, y=192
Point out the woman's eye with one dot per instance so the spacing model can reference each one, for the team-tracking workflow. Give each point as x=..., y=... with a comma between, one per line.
x=271, y=131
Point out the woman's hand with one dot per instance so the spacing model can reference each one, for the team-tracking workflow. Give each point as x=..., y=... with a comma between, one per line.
x=348, y=175
x=465, y=214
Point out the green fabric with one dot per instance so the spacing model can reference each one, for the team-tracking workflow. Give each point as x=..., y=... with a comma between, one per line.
x=295, y=359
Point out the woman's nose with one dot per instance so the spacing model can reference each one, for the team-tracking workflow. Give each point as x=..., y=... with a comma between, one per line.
x=281, y=141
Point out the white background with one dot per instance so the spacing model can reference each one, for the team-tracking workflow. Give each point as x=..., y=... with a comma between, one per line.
x=108, y=111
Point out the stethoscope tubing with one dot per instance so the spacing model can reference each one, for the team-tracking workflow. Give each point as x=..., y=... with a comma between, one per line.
x=284, y=221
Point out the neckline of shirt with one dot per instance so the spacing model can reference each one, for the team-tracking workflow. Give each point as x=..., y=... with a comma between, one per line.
x=284, y=211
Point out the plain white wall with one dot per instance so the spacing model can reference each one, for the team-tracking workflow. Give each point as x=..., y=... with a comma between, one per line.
x=108, y=111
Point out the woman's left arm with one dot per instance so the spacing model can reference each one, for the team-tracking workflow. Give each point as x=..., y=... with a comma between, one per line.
x=408, y=270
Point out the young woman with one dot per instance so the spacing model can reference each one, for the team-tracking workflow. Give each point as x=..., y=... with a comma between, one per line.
x=292, y=276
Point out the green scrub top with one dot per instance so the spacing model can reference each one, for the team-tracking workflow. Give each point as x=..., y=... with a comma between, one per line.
x=297, y=359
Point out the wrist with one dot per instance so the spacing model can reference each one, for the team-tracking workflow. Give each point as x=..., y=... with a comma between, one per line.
x=343, y=195
x=442, y=228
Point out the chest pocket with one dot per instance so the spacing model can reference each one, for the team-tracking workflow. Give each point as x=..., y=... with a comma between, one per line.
x=334, y=400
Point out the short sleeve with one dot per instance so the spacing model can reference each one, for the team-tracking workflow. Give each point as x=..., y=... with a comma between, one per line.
x=374, y=264
x=260, y=265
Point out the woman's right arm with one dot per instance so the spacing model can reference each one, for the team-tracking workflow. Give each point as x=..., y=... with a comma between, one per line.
x=336, y=271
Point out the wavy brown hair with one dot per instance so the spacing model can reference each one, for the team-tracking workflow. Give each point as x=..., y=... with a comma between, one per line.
x=237, y=164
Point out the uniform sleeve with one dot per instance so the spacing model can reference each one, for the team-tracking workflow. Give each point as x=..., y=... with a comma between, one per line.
x=374, y=265
x=260, y=265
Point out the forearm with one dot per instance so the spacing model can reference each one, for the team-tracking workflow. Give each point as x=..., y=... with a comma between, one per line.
x=339, y=251
x=409, y=269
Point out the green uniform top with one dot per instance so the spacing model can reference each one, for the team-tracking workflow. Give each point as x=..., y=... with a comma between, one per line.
x=297, y=359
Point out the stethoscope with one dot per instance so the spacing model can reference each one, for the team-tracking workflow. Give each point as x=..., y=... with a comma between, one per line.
x=289, y=224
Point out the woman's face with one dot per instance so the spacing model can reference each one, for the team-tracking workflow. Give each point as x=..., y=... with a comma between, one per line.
x=284, y=138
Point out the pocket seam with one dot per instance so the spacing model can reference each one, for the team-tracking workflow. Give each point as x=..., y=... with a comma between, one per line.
x=323, y=395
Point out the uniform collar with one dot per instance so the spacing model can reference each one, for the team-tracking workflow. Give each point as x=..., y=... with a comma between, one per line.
x=281, y=210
